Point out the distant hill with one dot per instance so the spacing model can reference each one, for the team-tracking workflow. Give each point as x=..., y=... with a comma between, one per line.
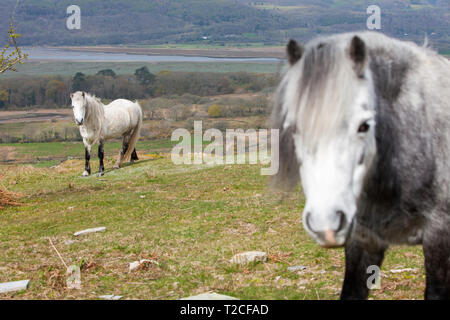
x=221, y=22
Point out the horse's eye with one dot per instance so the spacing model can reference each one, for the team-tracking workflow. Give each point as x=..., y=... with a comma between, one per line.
x=364, y=127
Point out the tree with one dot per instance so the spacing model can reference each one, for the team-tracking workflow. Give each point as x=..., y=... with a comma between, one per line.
x=9, y=59
x=4, y=96
x=107, y=73
x=144, y=76
x=79, y=82
x=56, y=92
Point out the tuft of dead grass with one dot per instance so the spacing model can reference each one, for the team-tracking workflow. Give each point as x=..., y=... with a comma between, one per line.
x=8, y=198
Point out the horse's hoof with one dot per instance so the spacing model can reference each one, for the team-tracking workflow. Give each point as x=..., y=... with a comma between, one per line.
x=101, y=174
x=85, y=174
x=116, y=167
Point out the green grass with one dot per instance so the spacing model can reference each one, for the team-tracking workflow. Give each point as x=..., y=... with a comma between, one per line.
x=34, y=68
x=191, y=219
x=51, y=153
x=76, y=149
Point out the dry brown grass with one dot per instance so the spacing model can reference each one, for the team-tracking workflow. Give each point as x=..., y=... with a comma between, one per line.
x=8, y=198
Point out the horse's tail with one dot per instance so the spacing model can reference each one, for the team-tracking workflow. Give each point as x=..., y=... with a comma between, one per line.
x=134, y=136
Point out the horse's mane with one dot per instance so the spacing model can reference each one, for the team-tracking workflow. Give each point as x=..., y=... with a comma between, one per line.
x=95, y=113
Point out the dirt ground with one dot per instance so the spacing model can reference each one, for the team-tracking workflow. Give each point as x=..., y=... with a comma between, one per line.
x=7, y=153
x=35, y=115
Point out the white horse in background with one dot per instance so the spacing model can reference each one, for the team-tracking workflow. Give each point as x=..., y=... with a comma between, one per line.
x=99, y=123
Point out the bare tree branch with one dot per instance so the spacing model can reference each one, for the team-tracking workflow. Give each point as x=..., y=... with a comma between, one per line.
x=11, y=54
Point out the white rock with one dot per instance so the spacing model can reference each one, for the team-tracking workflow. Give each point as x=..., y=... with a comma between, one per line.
x=110, y=297
x=249, y=256
x=73, y=280
x=210, y=296
x=136, y=264
x=404, y=270
x=14, y=286
x=296, y=268
x=69, y=242
x=79, y=233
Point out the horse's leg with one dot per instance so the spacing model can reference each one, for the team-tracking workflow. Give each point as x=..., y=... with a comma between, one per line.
x=357, y=260
x=87, y=157
x=126, y=140
x=436, y=249
x=101, y=155
x=134, y=156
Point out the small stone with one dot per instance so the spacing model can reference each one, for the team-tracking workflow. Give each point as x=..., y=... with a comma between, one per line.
x=296, y=268
x=136, y=264
x=404, y=270
x=249, y=256
x=79, y=233
x=110, y=297
x=142, y=197
x=73, y=280
x=69, y=242
x=14, y=286
x=210, y=296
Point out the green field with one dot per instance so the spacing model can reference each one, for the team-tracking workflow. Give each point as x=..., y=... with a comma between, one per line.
x=67, y=68
x=52, y=153
x=190, y=219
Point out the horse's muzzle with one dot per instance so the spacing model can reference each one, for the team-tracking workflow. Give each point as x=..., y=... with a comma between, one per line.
x=79, y=123
x=330, y=238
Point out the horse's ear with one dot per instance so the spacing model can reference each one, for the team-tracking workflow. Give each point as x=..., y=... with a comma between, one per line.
x=358, y=53
x=83, y=94
x=71, y=96
x=294, y=52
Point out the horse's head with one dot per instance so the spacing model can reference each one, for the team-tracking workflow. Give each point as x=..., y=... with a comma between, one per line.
x=79, y=106
x=326, y=116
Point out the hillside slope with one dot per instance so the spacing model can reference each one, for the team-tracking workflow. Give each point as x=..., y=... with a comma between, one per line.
x=221, y=22
x=189, y=219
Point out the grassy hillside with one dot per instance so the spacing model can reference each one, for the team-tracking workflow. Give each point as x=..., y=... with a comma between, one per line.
x=221, y=22
x=190, y=219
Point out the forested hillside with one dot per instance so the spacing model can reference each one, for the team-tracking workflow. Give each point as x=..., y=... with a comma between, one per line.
x=221, y=22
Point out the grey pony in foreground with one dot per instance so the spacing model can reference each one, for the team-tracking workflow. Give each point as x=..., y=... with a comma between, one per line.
x=364, y=124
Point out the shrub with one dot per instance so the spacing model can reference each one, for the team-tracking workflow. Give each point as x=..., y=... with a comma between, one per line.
x=214, y=111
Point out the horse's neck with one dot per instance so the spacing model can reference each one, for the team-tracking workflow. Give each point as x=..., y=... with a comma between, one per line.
x=95, y=113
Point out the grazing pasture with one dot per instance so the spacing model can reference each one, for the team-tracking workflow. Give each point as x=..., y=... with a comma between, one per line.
x=190, y=219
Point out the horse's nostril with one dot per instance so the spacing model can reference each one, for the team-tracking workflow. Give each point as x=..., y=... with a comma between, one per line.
x=342, y=220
